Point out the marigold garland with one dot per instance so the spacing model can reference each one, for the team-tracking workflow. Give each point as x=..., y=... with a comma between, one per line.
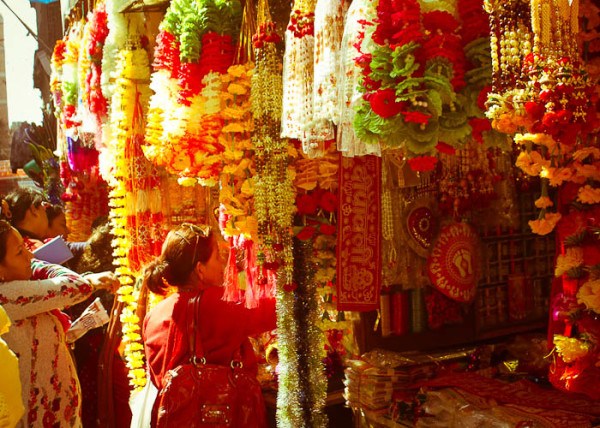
x=136, y=214
x=238, y=224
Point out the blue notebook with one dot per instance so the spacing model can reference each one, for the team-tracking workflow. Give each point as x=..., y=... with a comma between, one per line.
x=54, y=251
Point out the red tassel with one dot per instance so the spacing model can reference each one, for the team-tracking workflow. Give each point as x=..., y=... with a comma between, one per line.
x=253, y=294
x=232, y=287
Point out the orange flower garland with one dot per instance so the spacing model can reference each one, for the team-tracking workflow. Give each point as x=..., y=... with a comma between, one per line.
x=238, y=224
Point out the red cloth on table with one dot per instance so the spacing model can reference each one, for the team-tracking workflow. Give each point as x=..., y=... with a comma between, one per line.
x=223, y=328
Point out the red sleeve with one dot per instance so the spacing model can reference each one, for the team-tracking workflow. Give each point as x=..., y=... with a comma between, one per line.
x=250, y=321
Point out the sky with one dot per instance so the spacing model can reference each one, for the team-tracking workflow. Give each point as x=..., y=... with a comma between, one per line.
x=24, y=101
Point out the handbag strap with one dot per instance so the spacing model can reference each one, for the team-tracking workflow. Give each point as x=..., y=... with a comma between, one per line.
x=193, y=305
x=198, y=357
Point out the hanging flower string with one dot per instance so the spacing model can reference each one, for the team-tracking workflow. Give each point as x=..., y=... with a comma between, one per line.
x=413, y=64
x=69, y=77
x=238, y=223
x=93, y=99
x=135, y=199
x=328, y=33
x=194, y=47
x=274, y=204
x=298, y=75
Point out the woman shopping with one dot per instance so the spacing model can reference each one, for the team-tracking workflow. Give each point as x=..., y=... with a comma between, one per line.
x=31, y=291
x=191, y=266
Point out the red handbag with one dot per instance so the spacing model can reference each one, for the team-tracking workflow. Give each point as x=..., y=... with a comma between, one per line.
x=197, y=394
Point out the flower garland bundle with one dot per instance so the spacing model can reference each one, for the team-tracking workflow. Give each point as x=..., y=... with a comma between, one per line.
x=273, y=190
x=120, y=25
x=350, y=78
x=317, y=202
x=328, y=33
x=93, y=99
x=136, y=213
x=298, y=80
x=84, y=65
x=412, y=67
x=85, y=193
x=58, y=59
x=69, y=77
x=575, y=310
x=475, y=34
x=194, y=47
x=510, y=41
x=560, y=111
x=236, y=194
x=274, y=204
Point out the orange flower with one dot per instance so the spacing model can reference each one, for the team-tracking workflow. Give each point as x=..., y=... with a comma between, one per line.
x=531, y=162
x=589, y=195
x=558, y=175
x=543, y=202
x=571, y=259
x=589, y=295
x=544, y=225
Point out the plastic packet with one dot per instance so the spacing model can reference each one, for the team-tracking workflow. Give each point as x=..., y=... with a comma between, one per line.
x=93, y=316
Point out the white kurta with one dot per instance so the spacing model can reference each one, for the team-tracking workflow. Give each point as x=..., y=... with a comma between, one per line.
x=51, y=391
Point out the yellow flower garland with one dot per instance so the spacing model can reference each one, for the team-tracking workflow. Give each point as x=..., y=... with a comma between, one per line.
x=129, y=96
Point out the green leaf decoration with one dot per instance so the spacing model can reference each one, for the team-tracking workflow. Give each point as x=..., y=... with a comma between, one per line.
x=470, y=95
x=366, y=124
x=494, y=138
x=479, y=77
x=381, y=65
x=407, y=89
x=441, y=67
x=434, y=103
x=191, y=27
x=70, y=92
x=454, y=127
x=442, y=86
x=403, y=61
x=576, y=239
x=422, y=139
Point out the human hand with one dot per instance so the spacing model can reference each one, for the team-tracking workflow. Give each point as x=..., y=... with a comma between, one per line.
x=103, y=281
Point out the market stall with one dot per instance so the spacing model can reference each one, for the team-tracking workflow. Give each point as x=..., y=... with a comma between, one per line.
x=415, y=182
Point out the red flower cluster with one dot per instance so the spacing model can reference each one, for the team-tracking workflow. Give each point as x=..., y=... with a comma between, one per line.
x=266, y=33
x=445, y=42
x=398, y=22
x=98, y=33
x=479, y=126
x=60, y=48
x=423, y=163
x=383, y=103
x=318, y=208
x=218, y=52
x=475, y=22
x=569, y=97
x=166, y=53
x=302, y=24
